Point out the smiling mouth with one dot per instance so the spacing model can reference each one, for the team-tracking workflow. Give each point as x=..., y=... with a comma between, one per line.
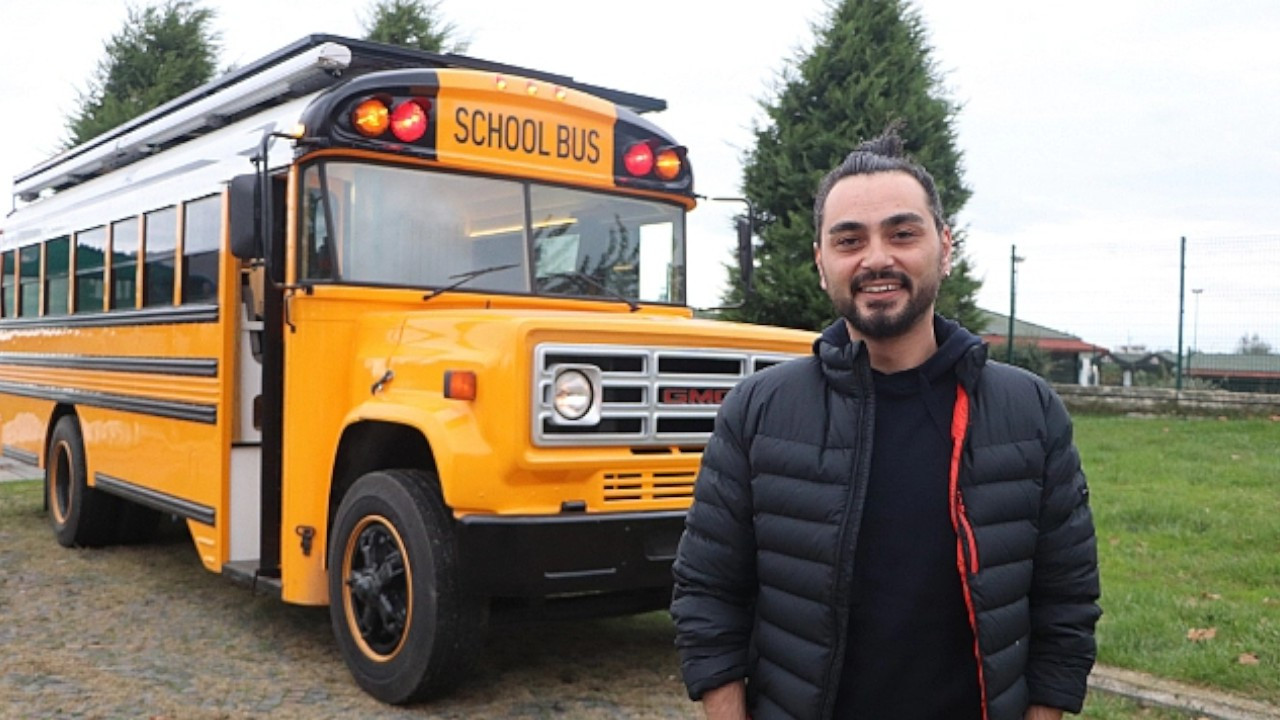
x=877, y=289
x=881, y=283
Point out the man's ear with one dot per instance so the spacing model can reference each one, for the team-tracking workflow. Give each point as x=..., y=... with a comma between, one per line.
x=947, y=245
x=817, y=261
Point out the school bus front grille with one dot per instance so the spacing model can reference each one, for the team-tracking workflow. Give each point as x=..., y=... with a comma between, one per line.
x=649, y=396
x=638, y=487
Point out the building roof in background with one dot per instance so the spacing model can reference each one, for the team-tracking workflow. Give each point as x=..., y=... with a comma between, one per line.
x=995, y=328
x=1231, y=365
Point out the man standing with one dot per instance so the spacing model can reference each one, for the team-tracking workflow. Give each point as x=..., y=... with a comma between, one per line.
x=893, y=528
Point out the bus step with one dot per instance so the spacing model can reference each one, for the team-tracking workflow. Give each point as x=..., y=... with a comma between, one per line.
x=246, y=573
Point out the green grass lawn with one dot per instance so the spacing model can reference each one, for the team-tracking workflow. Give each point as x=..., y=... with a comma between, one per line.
x=1188, y=518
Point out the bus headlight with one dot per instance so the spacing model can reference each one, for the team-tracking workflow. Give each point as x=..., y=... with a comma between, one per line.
x=574, y=394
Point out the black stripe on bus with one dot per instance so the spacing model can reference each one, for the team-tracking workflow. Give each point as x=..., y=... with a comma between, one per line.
x=155, y=499
x=193, y=367
x=29, y=458
x=146, y=406
x=116, y=318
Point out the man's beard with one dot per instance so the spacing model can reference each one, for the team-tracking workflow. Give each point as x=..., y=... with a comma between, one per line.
x=881, y=324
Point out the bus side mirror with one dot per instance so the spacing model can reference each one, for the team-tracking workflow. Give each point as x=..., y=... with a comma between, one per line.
x=746, y=254
x=243, y=225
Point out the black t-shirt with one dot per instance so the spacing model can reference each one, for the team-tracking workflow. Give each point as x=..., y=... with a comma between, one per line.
x=910, y=649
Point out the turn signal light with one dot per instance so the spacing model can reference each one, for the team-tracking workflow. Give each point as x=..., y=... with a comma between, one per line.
x=409, y=121
x=639, y=159
x=460, y=384
x=371, y=117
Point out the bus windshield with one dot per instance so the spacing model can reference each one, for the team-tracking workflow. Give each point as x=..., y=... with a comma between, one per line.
x=377, y=224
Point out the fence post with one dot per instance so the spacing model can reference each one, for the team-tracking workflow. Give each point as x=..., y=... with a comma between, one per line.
x=1182, y=304
x=1013, y=299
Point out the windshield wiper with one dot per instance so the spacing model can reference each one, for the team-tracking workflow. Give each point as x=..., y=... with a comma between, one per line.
x=581, y=276
x=466, y=277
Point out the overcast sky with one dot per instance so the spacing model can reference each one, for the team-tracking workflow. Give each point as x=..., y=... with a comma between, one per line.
x=1095, y=133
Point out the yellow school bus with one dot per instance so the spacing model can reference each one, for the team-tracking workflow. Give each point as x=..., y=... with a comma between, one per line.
x=396, y=332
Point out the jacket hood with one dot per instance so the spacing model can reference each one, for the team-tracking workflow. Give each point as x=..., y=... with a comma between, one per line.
x=846, y=366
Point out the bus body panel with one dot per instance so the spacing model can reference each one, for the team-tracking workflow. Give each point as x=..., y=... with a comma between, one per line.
x=152, y=389
x=360, y=355
x=23, y=427
x=566, y=140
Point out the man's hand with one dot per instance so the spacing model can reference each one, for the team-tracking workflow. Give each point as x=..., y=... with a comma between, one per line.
x=1040, y=712
x=727, y=702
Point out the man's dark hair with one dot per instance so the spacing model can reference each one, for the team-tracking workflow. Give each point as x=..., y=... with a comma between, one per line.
x=878, y=155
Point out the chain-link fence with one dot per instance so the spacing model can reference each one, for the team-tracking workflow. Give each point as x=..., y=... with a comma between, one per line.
x=1195, y=313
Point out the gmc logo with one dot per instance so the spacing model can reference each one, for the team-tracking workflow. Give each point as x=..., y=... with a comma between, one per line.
x=693, y=396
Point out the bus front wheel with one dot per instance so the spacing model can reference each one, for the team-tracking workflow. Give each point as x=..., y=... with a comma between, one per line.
x=80, y=515
x=402, y=622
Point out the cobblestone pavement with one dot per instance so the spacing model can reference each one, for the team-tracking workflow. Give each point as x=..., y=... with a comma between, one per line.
x=145, y=632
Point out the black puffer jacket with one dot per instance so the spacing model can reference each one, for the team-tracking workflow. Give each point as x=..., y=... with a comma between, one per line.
x=764, y=569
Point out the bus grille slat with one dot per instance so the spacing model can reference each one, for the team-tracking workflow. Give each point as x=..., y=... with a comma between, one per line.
x=644, y=487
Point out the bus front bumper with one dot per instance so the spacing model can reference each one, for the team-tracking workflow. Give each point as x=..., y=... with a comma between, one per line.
x=568, y=553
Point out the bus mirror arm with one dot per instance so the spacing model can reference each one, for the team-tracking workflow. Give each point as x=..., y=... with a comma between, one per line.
x=746, y=251
x=251, y=220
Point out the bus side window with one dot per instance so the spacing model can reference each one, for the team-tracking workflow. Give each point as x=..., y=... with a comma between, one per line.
x=158, y=257
x=57, y=275
x=29, y=281
x=317, y=236
x=202, y=230
x=91, y=249
x=124, y=264
x=8, y=286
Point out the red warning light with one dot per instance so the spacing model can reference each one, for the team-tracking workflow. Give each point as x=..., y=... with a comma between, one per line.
x=409, y=121
x=639, y=159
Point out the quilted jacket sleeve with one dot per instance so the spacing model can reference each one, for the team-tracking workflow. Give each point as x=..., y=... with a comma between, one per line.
x=715, y=583
x=1065, y=586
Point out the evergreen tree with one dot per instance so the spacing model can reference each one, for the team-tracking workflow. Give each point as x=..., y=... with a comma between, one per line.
x=413, y=24
x=870, y=68
x=160, y=53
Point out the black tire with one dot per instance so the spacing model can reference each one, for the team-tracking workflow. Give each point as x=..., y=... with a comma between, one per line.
x=81, y=516
x=403, y=624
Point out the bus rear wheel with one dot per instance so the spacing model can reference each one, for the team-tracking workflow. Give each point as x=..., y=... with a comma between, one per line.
x=80, y=515
x=403, y=624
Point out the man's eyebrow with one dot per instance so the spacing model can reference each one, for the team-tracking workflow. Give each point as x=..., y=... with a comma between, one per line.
x=846, y=226
x=903, y=218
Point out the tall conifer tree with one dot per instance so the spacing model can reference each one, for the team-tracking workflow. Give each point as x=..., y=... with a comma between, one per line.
x=161, y=52
x=416, y=24
x=869, y=68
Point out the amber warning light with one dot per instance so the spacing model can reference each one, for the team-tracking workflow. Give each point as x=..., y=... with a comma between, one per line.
x=371, y=117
